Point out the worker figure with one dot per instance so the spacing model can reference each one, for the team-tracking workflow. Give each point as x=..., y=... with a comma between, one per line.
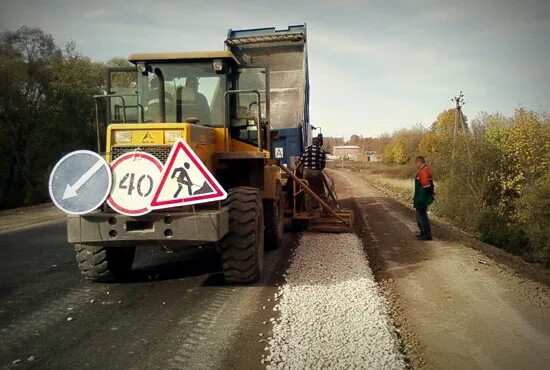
x=314, y=159
x=423, y=197
x=183, y=179
x=202, y=110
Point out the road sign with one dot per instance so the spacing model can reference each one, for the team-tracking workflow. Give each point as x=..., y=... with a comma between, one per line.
x=80, y=182
x=135, y=177
x=185, y=180
x=279, y=152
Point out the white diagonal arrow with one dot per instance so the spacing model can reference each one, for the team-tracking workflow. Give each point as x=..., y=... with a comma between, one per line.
x=71, y=190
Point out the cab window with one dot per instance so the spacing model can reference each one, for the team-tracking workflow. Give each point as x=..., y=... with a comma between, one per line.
x=193, y=92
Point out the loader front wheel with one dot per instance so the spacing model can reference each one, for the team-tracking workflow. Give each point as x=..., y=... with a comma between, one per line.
x=243, y=246
x=104, y=264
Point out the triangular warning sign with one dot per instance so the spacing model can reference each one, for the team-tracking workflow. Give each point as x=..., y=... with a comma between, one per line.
x=185, y=180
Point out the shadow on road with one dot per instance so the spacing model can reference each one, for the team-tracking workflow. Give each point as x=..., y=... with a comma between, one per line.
x=154, y=264
x=387, y=230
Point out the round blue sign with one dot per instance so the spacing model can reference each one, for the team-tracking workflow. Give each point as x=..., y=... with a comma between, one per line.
x=80, y=182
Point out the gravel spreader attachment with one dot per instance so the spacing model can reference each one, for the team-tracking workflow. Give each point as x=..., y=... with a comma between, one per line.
x=327, y=223
x=330, y=219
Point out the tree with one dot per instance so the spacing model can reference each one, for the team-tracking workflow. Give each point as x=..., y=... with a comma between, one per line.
x=430, y=143
x=354, y=140
x=523, y=144
x=403, y=145
x=396, y=151
x=26, y=61
x=123, y=80
x=46, y=109
x=445, y=123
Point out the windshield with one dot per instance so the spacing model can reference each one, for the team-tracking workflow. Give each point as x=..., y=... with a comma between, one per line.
x=193, y=91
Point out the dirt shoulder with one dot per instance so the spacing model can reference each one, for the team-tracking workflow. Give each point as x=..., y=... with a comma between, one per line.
x=458, y=305
x=19, y=218
x=396, y=191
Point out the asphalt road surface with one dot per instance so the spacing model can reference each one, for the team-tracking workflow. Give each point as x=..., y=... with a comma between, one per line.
x=176, y=312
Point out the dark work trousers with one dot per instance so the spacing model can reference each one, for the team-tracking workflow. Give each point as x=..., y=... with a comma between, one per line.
x=423, y=221
x=315, y=182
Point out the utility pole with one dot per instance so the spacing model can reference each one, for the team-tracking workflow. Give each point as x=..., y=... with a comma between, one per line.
x=459, y=119
x=459, y=102
x=343, y=149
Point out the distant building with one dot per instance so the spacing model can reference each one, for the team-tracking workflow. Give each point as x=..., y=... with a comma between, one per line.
x=346, y=151
x=375, y=157
x=372, y=156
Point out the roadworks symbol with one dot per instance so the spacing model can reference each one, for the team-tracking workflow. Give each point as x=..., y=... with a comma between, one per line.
x=185, y=180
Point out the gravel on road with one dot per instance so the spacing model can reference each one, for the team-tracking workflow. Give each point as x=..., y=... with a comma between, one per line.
x=331, y=311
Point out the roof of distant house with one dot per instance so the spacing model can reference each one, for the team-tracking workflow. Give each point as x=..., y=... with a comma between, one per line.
x=346, y=147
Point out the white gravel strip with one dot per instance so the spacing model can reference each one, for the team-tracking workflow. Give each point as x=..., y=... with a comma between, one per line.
x=331, y=312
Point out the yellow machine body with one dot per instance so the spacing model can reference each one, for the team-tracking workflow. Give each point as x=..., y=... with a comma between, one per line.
x=205, y=141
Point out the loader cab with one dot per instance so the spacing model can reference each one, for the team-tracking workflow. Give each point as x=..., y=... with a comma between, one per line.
x=208, y=89
x=183, y=87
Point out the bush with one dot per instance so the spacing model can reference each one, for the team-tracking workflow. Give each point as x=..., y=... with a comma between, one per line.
x=494, y=228
x=534, y=213
x=455, y=204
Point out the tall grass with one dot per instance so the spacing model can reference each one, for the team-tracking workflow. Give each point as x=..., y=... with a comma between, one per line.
x=397, y=179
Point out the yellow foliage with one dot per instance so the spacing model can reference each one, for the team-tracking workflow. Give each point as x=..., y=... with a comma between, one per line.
x=444, y=124
x=431, y=143
x=524, y=146
x=396, y=151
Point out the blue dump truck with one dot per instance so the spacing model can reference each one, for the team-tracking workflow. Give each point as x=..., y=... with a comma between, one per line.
x=283, y=53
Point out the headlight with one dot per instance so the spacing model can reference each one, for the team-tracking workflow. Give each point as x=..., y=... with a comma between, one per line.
x=123, y=137
x=141, y=67
x=217, y=65
x=171, y=136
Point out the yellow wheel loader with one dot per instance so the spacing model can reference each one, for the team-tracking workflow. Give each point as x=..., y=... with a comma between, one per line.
x=235, y=109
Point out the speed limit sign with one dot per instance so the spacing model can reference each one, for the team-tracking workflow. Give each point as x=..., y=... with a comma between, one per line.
x=135, y=177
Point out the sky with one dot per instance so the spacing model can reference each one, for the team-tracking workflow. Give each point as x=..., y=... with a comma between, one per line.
x=375, y=66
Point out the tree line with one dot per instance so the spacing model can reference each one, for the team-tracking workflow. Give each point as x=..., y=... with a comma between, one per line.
x=492, y=174
x=46, y=110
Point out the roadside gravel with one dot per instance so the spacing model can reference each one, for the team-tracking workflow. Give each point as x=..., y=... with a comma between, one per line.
x=25, y=217
x=331, y=311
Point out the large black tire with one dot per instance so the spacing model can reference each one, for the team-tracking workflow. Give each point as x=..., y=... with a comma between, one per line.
x=104, y=264
x=274, y=220
x=243, y=246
